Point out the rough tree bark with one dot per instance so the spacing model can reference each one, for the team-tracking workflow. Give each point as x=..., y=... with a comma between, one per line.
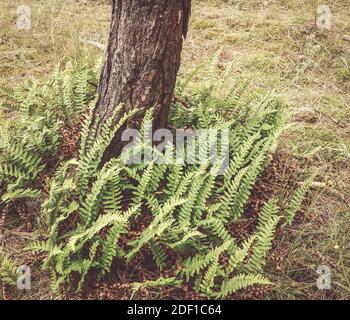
x=142, y=60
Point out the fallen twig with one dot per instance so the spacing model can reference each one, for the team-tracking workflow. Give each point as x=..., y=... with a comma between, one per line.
x=325, y=186
x=346, y=37
x=94, y=43
x=17, y=234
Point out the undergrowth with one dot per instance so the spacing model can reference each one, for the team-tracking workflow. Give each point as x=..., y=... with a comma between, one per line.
x=183, y=212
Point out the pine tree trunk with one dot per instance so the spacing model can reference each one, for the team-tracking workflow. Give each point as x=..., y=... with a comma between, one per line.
x=142, y=60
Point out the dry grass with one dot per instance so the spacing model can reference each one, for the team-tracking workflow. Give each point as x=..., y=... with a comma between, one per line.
x=274, y=43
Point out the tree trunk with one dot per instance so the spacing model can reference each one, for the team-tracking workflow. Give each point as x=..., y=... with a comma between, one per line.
x=142, y=60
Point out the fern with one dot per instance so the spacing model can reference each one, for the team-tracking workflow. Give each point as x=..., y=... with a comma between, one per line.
x=296, y=201
x=25, y=159
x=110, y=245
x=68, y=84
x=81, y=90
x=77, y=240
x=207, y=282
x=19, y=193
x=92, y=212
x=239, y=255
x=186, y=216
x=144, y=182
x=8, y=269
x=194, y=265
x=268, y=221
x=157, y=227
x=241, y=282
x=112, y=193
x=90, y=206
x=159, y=254
x=243, y=192
x=87, y=264
x=92, y=157
x=8, y=171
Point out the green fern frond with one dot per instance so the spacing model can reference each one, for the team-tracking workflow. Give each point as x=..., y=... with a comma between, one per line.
x=159, y=254
x=110, y=245
x=91, y=205
x=268, y=221
x=297, y=200
x=77, y=240
x=239, y=255
x=24, y=159
x=194, y=265
x=158, y=226
x=19, y=193
x=8, y=269
x=241, y=282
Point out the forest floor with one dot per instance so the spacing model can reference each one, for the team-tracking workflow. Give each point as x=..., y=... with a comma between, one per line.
x=277, y=46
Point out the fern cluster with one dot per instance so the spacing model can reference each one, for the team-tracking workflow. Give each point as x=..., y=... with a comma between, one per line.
x=8, y=269
x=91, y=206
x=30, y=138
x=190, y=213
x=297, y=200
